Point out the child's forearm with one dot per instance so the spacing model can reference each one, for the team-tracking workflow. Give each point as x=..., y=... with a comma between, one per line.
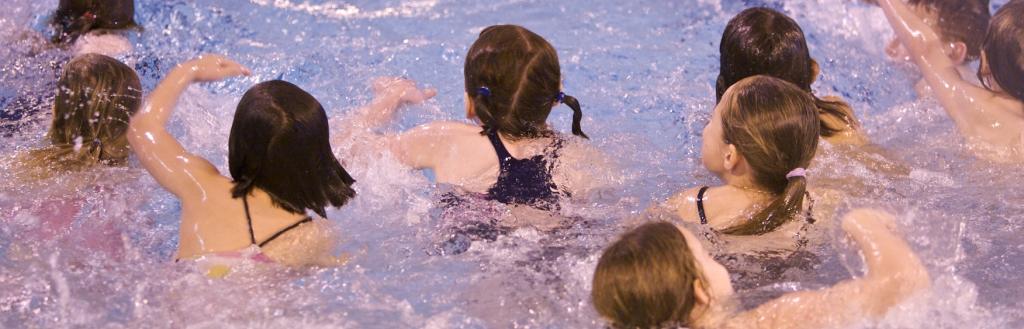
x=912, y=31
x=161, y=102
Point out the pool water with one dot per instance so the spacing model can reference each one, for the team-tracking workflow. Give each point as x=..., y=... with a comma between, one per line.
x=644, y=72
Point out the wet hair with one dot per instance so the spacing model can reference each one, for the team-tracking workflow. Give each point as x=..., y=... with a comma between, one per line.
x=513, y=80
x=280, y=144
x=764, y=41
x=74, y=18
x=646, y=279
x=960, y=21
x=774, y=125
x=96, y=97
x=1004, y=48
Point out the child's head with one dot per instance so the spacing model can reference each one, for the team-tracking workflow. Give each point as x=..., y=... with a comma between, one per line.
x=513, y=80
x=1002, y=67
x=76, y=17
x=280, y=144
x=762, y=130
x=960, y=23
x=657, y=275
x=96, y=97
x=762, y=41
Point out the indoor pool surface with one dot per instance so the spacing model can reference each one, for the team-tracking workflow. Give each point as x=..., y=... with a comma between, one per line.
x=644, y=72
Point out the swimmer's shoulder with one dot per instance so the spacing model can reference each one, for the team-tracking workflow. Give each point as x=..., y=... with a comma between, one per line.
x=684, y=205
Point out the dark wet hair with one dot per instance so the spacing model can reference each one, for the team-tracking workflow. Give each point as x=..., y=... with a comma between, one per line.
x=280, y=144
x=764, y=41
x=96, y=98
x=1004, y=48
x=74, y=18
x=774, y=125
x=960, y=21
x=513, y=79
x=645, y=279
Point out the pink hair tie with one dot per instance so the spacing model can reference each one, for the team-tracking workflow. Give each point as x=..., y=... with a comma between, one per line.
x=798, y=172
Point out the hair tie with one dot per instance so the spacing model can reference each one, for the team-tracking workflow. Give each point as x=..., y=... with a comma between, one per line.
x=798, y=172
x=560, y=97
x=484, y=91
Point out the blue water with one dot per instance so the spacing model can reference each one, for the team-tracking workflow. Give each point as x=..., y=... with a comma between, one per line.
x=644, y=72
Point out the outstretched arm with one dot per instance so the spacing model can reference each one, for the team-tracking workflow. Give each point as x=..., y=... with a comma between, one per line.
x=412, y=147
x=894, y=273
x=964, y=102
x=177, y=170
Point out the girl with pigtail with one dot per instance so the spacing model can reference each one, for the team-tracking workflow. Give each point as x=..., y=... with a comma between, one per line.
x=760, y=141
x=512, y=83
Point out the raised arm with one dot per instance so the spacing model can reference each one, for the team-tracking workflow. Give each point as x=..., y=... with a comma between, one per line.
x=177, y=170
x=412, y=147
x=893, y=274
x=964, y=102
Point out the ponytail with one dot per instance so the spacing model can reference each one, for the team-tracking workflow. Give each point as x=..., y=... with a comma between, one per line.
x=780, y=211
x=836, y=116
x=577, y=113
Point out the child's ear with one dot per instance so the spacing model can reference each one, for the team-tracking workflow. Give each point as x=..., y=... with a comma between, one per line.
x=957, y=52
x=700, y=294
x=815, y=71
x=470, y=109
x=731, y=157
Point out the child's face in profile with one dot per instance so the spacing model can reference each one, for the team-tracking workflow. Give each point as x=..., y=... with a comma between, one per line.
x=713, y=146
x=716, y=276
x=895, y=48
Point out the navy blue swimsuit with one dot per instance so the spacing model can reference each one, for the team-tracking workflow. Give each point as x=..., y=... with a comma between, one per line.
x=523, y=181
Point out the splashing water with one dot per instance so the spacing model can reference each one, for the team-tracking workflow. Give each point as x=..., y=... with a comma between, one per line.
x=93, y=249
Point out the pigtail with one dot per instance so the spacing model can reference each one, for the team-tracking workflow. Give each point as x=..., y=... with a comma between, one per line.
x=836, y=116
x=783, y=209
x=577, y=113
x=483, y=111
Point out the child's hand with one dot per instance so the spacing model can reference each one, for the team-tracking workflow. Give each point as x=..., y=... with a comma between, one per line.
x=404, y=90
x=213, y=68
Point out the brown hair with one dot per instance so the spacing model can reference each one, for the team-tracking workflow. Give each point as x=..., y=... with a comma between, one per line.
x=646, y=278
x=1004, y=49
x=762, y=41
x=96, y=97
x=74, y=18
x=513, y=80
x=960, y=21
x=774, y=125
x=280, y=143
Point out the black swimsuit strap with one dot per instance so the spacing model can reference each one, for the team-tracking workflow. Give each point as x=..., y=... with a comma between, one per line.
x=248, y=219
x=700, y=205
x=503, y=155
x=286, y=229
x=252, y=235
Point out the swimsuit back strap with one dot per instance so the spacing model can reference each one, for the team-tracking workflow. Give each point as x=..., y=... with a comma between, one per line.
x=248, y=219
x=286, y=229
x=700, y=205
x=499, y=148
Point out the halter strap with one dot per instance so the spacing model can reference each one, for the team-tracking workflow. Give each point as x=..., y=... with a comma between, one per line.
x=252, y=235
x=700, y=205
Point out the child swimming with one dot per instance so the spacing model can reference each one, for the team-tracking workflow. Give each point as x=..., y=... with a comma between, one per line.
x=961, y=24
x=761, y=138
x=993, y=115
x=281, y=167
x=659, y=275
x=512, y=82
x=88, y=25
x=95, y=98
x=762, y=41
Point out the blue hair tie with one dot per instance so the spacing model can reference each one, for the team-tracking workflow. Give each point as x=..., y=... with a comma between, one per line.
x=560, y=97
x=486, y=92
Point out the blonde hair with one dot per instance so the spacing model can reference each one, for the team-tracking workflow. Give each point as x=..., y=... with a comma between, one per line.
x=96, y=97
x=646, y=278
x=774, y=125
